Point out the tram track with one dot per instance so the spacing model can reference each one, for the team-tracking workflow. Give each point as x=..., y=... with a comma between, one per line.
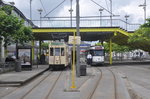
x=21, y=87
x=92, y=93
x=50, y=91
x=23, y=97
x=100, y=81
x=115, y=83
x=10, y=92
x=32, y=87
x=78, y=87
x=55, y=76
x=103, y=83
x=141, y=71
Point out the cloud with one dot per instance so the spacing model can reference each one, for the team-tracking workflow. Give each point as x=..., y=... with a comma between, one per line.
x=135, y=12
x=87, y=8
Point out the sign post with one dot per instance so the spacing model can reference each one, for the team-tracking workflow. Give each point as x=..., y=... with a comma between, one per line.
x=73, y=40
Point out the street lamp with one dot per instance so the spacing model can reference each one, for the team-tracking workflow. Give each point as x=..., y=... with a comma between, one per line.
x=101, y=10
x=126, y=16
x=111, y=13
x=144, y=7
x=12, y=3
x=40, y=11
x=71, y=10
x=30, y=10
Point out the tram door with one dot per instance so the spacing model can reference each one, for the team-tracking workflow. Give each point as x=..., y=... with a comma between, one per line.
x=57, y=58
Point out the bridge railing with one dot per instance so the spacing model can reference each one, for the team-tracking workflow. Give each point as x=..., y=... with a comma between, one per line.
x=87, y=23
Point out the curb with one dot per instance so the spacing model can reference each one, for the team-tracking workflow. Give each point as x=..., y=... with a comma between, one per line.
x=20, y=83
x=128, y=63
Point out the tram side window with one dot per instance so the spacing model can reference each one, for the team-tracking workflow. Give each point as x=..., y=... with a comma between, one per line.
x=51, y=51
x=62, y=51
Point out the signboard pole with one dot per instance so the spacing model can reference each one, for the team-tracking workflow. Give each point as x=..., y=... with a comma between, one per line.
x=32, y=51
x=73, y=64
x=110, y=51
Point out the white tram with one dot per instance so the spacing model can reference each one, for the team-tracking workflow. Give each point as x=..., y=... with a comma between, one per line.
x=98, y=54
x=58, y=55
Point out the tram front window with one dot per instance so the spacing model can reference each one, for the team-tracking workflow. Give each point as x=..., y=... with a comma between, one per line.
x=57, y=51
x=98, y=53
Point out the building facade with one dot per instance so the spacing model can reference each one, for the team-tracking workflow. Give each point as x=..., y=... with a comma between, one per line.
x=19, y=14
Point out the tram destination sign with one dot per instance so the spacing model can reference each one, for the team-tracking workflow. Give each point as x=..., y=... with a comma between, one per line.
x=57, y=43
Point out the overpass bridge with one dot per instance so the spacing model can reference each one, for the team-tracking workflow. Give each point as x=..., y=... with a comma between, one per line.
x=90, y=30
x=87, y=34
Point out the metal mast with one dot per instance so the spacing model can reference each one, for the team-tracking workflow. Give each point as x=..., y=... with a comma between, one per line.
x=78, y=34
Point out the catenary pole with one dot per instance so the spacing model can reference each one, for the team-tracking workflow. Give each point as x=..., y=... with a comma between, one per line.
x=78, y=34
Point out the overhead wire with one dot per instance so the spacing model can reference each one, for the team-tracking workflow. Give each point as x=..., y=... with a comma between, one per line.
x=55, y=8
x=75, y=17
x=102, y=7
x=42, y=6
x=107, y=4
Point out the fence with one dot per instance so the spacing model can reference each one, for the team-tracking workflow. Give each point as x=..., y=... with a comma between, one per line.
x=7, y=66
x=65, y=22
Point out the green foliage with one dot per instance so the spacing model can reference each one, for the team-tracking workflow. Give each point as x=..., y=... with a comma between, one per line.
x=98, y=44
x=45, y=45
x=117, y=48
x=12, y=28
x=24, y=35
x=147, y=24
x=7, y=9
x=141, y=37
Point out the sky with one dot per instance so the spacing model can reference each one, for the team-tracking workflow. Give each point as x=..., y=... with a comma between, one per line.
x=87, y=8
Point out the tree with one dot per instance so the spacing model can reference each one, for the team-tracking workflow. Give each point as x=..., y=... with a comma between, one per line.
x=7, y=9
x=12, y=29
x=141, y=38
x=117, y=48
x=45, y=45
x=24, y=35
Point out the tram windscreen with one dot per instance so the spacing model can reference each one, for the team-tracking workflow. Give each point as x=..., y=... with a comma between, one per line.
x=97, y=52
x=57, y=51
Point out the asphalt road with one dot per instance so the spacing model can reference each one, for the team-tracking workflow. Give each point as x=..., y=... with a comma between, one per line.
x=139, y=77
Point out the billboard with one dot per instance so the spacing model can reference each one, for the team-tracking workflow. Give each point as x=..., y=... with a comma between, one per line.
x=25, y=56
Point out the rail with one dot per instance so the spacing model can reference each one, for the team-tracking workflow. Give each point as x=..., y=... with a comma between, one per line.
x=86, y=22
